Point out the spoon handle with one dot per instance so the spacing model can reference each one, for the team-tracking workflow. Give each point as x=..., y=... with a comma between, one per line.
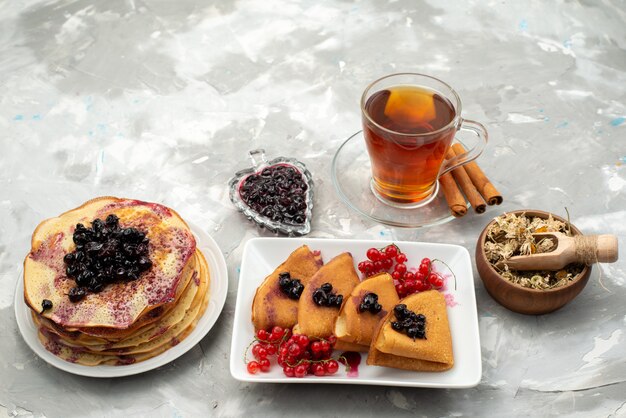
x=591, y=249
x=607, y=248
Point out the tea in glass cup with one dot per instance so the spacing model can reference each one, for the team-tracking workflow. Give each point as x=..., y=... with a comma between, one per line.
x=409, y=123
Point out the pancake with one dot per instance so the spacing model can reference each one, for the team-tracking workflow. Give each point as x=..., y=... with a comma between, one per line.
x=391, y=348
x=319, y=321
x=117, y=334
x=271, y=307
x=128, y=320
x=143, y=351
x=354, y=329
x=193, y=295
x=106, y=336
x=170, y=326
x=119, y=305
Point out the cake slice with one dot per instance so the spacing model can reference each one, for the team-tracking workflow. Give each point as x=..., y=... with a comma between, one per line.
x=322, y=297
x=359, y=316
x=425, y=348
x=272, y=306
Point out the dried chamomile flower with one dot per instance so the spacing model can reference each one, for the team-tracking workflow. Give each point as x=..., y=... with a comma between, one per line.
x=512, y=235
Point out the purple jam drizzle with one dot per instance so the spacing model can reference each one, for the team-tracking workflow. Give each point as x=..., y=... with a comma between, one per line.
x=351, y=359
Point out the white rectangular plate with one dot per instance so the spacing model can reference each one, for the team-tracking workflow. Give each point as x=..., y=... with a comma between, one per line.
x=262, y=255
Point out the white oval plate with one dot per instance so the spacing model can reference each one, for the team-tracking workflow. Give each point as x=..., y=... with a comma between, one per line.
x=262, y=255
x=219, y=289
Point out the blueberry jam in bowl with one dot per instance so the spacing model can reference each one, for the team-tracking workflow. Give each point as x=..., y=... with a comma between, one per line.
x=276, y=195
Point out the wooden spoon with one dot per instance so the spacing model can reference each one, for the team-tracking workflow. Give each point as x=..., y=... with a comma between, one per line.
x=586, y=249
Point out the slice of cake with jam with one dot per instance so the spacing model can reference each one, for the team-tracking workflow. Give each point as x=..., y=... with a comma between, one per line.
x=114, y=278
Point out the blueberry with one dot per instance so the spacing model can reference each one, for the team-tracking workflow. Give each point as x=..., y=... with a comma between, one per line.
x=45, y=305
x=76, y=294
x=71, y=270
x=97, y=225
x=144, y=263
x=327, y=287
x=82, y=279
x=112, y=220
x=294, y=294
x=407, y=323
x=396, y=325
x=79, y=238
x=292, y=209
x=398, y=310
x=339, y=300
x=370, y=298
x=93, y=247
x=298, y=285
x=412, y=332
x=320, y=297
x=284, y=282
x=331, y=300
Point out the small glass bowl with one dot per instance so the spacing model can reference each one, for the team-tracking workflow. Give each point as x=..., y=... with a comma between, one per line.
x=259, y=162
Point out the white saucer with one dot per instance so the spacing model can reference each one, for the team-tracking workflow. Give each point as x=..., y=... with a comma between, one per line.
x=218, y=292
x=351, y=174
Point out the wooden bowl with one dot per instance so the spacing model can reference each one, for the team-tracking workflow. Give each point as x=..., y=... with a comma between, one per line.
x=522, y=299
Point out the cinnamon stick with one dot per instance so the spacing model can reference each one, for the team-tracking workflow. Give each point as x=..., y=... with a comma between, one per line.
x=479, y=179
x=456, y=201
x=465, y=183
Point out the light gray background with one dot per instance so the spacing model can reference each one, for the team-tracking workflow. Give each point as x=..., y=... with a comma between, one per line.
x=161, y=100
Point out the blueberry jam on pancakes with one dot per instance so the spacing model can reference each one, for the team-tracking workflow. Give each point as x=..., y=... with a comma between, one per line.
x=105, y=253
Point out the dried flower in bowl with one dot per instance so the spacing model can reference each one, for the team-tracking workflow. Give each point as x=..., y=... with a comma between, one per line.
x=511, y=235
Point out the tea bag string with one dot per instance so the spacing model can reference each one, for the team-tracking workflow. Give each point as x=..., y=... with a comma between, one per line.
x=586, y=248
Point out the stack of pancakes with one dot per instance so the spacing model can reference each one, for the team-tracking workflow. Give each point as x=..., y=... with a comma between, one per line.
x=128, y=321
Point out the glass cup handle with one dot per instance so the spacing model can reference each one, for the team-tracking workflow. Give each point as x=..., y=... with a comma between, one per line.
x=479, y=130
